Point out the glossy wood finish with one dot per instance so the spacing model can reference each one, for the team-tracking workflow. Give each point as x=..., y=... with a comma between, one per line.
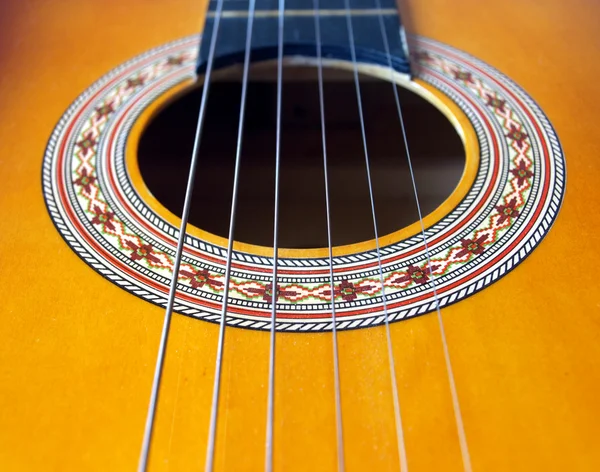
x=77, y=353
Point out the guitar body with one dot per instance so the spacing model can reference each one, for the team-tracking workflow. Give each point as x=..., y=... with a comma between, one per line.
x=78, y=352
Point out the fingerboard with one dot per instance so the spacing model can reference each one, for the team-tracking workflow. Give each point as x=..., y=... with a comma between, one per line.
x=299, y=32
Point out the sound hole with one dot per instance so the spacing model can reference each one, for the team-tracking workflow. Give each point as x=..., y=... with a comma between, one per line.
x=437, y=153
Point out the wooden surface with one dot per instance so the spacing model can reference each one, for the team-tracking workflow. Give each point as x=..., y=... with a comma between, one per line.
x=77, y=353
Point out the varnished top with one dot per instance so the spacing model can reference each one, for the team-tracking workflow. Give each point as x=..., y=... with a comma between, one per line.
x=77, y=352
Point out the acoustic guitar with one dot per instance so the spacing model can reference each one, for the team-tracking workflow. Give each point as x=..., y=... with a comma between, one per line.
x=320, y=235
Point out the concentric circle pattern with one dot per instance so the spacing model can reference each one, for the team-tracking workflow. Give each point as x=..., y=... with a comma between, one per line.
x=508, y=210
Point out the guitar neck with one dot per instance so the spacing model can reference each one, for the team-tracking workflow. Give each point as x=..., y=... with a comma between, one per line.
x=365, y=19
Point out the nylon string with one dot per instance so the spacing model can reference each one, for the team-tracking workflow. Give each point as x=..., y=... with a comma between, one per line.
x=274, y=291
x=336, y=363
x=455, y=403
x=396, y=399
x=150, y=419
x=212, y=431
x=151, y=414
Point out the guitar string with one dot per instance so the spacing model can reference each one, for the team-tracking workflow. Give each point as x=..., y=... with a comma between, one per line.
x=457, y=413
x=274, y=291
x=191, y=175
x=336, y=362
x=151, y=413
x=212, y=431
x=396, y=399
x=177, y=389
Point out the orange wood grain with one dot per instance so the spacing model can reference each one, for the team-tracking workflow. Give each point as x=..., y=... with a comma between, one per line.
x=77, y=353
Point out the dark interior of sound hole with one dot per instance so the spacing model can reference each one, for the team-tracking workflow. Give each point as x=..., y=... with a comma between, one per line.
x=437, y=154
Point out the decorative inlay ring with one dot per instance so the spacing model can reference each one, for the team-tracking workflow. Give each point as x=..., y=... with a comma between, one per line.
x=509, y=208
